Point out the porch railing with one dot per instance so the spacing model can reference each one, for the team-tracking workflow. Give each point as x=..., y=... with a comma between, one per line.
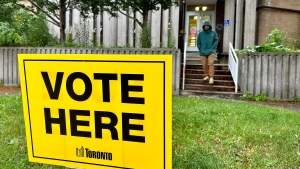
x=184, y=65
x=233, y=65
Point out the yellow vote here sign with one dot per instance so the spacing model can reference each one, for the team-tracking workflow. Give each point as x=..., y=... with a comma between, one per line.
x=98, y=111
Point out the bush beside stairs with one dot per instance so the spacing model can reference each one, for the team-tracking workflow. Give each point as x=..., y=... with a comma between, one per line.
x=223, y=86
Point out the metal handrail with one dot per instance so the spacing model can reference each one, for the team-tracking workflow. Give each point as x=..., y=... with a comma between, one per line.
x=184, y=64
x=233, y=65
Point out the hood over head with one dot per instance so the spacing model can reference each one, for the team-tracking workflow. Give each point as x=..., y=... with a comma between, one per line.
x=207, y=23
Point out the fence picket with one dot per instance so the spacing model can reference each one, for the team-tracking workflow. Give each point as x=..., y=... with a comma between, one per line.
x=9, y=72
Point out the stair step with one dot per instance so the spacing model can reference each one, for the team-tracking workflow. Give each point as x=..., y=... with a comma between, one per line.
x=192, y=54
x=198, y=61
x=218, y=64
x=200, y=71
x=217, y=94
x=208, y=87
x=199, y=76
x=199, y=66
x=216, y=82
x=192, y=57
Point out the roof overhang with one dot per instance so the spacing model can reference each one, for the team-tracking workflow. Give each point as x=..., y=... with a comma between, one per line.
x=201, y=2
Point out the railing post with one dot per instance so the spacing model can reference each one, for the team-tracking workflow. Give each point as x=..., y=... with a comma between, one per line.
x=184, y=64
x=237, y=76
x=233, y=65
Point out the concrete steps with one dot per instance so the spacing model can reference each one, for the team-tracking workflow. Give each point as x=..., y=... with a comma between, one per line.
x=223, y=86
x=207, y=87
x=201, y=72
x=217, y=77
x=217, y=82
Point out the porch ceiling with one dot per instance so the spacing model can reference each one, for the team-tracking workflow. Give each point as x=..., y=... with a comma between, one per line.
x=201, y=2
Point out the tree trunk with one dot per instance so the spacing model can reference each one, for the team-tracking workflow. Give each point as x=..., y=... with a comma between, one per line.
x=145, y=15
x=62, y=25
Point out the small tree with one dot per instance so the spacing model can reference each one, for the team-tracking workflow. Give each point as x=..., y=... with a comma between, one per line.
x=145, y=37
x=33, y=29
x=55, y=12
x=6, y=11
x=8, y=35
x=23, y=28
x=82, y=33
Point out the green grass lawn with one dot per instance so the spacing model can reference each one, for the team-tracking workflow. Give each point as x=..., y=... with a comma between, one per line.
x=207, y=133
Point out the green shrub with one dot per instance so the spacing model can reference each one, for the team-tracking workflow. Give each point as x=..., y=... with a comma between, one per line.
x=296, y=99
x=82, y=34
x=276, y=99
x=26, y=29
x=8, y=35
x=1, y=82
x=145, y=37
x=275, y=42
x=247, y=96
x=261, y=97
x=276, y=36
x=69, y=42
x=33, y=29
x=293, y=43
x=101, y=46
x=258, y=97
x=171, y=38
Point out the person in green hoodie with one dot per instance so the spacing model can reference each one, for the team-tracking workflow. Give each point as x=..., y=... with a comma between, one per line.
x=207, y=41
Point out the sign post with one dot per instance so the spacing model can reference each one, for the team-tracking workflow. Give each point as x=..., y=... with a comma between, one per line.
x=98, y=111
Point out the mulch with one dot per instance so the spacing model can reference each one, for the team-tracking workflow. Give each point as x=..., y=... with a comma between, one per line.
x=9, y=90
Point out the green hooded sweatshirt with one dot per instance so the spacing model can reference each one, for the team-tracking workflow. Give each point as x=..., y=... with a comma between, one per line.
x=207, y=40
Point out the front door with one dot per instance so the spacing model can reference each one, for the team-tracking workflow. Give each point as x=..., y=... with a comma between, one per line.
x=194, y=22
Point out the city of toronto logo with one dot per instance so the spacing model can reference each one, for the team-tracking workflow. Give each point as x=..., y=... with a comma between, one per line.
x=80, y=152
x=86, y=152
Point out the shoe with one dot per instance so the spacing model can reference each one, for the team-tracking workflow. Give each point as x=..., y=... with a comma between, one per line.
x=211, y=80
x=206, y=78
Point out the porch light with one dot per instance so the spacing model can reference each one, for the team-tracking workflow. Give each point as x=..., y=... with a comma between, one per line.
x=204, y=8
x=197, y=8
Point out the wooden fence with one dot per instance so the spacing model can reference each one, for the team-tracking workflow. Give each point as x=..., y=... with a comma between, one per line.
x=9, y=73
x=276, y=74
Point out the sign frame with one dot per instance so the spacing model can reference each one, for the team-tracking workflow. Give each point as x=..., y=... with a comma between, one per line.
x=165, y=60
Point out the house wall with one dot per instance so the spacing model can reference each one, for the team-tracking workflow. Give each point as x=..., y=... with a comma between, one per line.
x=288, y=4
x=229, y=29
x=250, y=23
x=283, y=15
x=259, y=18
x=121, y=31
x=54, y=30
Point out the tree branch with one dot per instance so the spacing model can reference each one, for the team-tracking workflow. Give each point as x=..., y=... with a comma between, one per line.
x=68, y=4
x=140, y=23
x=54, y=23
x=45, y=12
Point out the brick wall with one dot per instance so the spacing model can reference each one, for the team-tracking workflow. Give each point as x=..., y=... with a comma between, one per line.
x=280, y=14
x=288, y=4
x=269, y=19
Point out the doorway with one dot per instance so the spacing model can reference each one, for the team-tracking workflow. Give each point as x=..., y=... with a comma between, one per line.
x=194, y=22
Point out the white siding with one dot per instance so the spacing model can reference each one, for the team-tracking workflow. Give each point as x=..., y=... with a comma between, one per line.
x=120, y=31
x=155, y=27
